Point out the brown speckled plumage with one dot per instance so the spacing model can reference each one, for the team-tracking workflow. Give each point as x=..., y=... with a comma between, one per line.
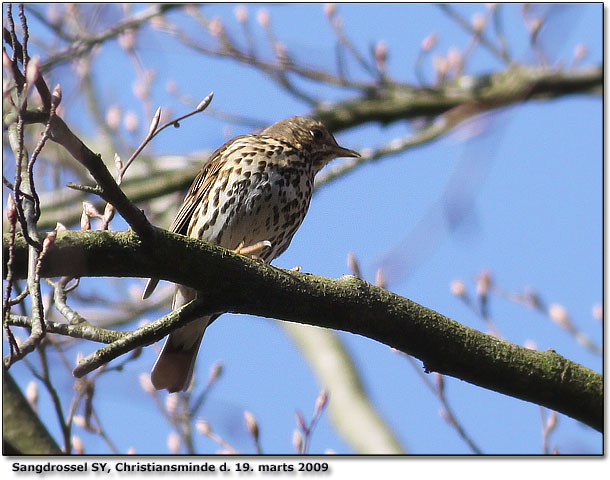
x=254, y=188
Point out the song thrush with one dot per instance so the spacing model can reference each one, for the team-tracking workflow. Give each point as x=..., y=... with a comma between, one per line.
x=251, y=196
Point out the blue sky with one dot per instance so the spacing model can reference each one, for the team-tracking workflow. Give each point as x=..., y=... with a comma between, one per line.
x=536, y=222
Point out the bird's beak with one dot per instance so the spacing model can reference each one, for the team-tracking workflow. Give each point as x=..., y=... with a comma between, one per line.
x=345, y=152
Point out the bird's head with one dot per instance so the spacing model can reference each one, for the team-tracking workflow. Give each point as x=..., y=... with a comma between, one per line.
x=312, y=137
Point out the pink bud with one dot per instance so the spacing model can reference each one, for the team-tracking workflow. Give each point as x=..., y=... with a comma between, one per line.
x=263, y=18
x=297, y=441
x=85, y=223
x=381, y=54
x=352, y=265
x=77, y=444
x=321, y=402
x=483, y=283
x=559, y=315
x=127, y=40
x=241, y=13
x=380, y=280
x=203, y=427
x=171, y=403
x=580, y=52
x=11, y=207
x=113, y=117
x=251, y=424
x=131, y=121
x=478, y=22
x=215, y=27
x=458, y=288
x=80, y=421
x=330, y=9
x=31, y=393
x=173, y=443
x=429, y=42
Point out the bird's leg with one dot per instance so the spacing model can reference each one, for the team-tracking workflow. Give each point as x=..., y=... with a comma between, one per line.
x=251, y=250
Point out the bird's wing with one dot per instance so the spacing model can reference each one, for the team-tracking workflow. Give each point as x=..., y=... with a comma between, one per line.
x=196, y=193
x=200, y=188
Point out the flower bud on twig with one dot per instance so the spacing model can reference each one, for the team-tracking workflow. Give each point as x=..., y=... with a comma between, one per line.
x=77, y=444
x=330, y=9
x=380, y=280
x=203, y=427
x=241, y=14
x=263, y=18
x=31, y=394
x=458, y=288
x=56, y=95
x=381, y=55
x=321, y=402
x=478, y=22
x=251, y=424
x=297, y=441
x=559, y=315
x=429, y=42
x=173, y=443
x=352, y=265
x=85, y=223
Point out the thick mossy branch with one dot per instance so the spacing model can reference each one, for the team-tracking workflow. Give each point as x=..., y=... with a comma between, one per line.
x=483, y=93
x=232, y=283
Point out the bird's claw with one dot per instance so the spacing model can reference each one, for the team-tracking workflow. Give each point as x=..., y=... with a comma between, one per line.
x=251, y=250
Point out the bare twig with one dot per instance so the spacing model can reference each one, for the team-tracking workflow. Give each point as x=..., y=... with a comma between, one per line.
x=154, y=129
x=438, y=388
x=462, y=22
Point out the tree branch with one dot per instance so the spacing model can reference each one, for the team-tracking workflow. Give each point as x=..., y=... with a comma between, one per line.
x=232, y=283
x=111, y=192
x=511, y=86
x=22, y=431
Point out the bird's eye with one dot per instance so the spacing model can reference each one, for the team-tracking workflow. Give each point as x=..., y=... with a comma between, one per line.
x=317, y=134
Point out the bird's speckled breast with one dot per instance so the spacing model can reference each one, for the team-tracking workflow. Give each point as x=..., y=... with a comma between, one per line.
x=260, y=197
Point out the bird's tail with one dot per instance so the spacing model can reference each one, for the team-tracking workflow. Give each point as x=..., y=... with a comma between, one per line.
x=173, y=369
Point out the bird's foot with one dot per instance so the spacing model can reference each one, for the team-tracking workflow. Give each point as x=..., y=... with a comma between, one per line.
x=252, y=250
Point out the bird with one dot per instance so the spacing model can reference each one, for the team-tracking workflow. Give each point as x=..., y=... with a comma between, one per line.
x=251, y=196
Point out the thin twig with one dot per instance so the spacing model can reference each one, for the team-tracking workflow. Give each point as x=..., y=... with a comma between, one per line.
x=440, y=394
x=462, y=22
x=154, y=130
